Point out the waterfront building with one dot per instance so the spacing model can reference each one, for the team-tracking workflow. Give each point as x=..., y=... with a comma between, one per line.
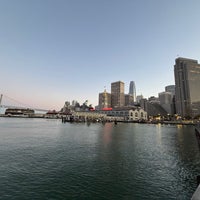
x=88, y=115
x=53, y=114
x=165, y=99
x=126, y=114
x=187, y=87
x=132, y=90
x=19, y=112
x=117, y=94
x=104, y=100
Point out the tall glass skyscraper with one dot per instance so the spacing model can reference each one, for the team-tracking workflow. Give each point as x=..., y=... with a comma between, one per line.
x=132, y=90
x=187, y=87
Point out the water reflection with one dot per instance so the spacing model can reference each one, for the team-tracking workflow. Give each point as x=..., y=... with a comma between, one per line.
x=107, y=133
x=127, y=161
x=158, y=135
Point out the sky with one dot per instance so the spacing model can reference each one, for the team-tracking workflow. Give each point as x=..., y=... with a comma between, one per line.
x=52, y=51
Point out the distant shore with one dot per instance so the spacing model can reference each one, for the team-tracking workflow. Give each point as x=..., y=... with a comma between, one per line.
x=179, y=122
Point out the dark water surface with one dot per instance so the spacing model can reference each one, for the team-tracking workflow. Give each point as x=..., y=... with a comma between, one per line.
x=45, y=159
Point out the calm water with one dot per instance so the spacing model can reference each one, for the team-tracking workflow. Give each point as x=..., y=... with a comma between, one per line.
x=45, y=159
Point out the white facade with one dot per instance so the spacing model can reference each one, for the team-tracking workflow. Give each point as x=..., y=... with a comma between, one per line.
x=129, y=115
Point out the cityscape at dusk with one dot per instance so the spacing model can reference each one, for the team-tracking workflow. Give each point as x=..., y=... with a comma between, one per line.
x=57, y=51
x=99, y=99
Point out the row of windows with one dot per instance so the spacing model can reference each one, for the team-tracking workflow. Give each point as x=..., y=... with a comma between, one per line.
x=124, y=113
x=136, y=114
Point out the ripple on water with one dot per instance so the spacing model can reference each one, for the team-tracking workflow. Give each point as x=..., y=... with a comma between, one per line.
x=42, y=159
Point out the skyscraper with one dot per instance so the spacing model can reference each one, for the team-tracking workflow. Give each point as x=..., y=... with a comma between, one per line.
x=170, y=88
x=138, y=98
x=165, y=99
x=128, y=100
x=132, y=90
x=187, y=87
x=117, y=94
x=104, y=100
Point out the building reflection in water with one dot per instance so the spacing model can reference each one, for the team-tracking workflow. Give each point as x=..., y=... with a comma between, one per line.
x=107, y=133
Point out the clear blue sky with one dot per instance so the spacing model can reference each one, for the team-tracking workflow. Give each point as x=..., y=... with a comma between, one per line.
x=52, y=51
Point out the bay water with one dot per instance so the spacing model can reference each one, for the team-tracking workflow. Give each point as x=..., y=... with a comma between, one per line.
x=46, y=159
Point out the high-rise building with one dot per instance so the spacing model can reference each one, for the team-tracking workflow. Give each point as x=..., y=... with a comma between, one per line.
x=74, y=102
x=187, y=87
x=117, y=94
x=143, y=104
x=138, y=98
x=104, y=100
x=132, y=90
x=165, y=99
x=129, y=101
x=170, y=88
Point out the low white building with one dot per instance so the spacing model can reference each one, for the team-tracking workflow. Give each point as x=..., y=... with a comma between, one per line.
x=127, y=114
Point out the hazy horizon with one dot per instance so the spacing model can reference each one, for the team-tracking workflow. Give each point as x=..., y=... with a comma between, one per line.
x=57, y=51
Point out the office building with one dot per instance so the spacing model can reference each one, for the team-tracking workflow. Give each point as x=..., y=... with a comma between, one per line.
x=154, y=99
x=132, y=90
x=165, y=99
x=129, y=101
x=143, y=104
x=104, y=100
x=117, y=94
x=187, y=87
x=138, y=98
x=170, y=88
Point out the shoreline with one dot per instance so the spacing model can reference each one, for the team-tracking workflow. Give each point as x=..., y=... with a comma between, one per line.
x=99, y=121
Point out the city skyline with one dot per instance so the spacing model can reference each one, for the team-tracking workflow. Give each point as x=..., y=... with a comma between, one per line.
x=52, y=52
